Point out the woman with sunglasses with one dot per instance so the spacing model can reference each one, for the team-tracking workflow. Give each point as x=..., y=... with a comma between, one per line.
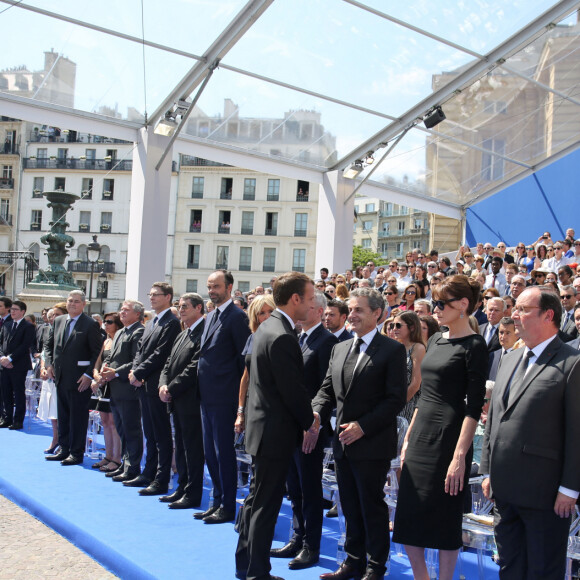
x=520, y=253
x=422, y=282
x=391, y=295
x=101, y=396
x=437, y=450
x=410, y=294
x=407, y=331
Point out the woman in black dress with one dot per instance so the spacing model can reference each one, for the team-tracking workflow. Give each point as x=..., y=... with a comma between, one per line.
x=437, y=449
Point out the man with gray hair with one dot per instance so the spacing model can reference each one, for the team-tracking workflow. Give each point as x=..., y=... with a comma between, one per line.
x=567, y=326
x=72, y=349
x=494, y=309
x=125, y=403
x=422, y=307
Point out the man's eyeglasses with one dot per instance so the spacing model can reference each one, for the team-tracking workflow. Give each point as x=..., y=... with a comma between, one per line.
x=396, y=325
x=441, y=304
x=566, y=297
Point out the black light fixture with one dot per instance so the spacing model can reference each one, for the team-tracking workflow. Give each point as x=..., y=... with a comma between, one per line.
x=434, y=117
x=93, y=255
x=352, y=171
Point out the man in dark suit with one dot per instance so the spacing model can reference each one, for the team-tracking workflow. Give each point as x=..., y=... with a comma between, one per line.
x=530, y=449
x=16, y=342
x=152, y=353
x=507, y=339
x=334, y=319
x=220, y=370
x=305, y=476
x=494, y=309
x=277, y=414
x=125, y=403
x=73, y=346
x=180, y=391
x=367, y=382
x=5, y=304
x=567, y=326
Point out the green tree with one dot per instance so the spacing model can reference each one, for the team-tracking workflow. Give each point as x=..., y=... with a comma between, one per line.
x=360, y=256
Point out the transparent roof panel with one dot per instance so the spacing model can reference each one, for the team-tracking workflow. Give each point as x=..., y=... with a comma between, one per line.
x=337, y=49
x=82, y=68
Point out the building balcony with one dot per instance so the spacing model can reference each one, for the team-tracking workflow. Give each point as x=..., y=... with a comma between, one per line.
x=108, y=195
x=6, y=183
x=245, y=268
x=82, y=164
x=249, y=197
x=193, y=265
x=54, y=135
x=226, y=195
x=35, y=226
x=299, y=233
x=271, y=232
x=195, y=228
x=105, y=229
x=223, y=229
x=5, y=220
x=84, y=228
x=384, y=234
x=268, y=268
x=247, y=231
x=419, y=231
x=302, y=196
x=197, y=195
x=273, y=197
x=221, y=265
x=187, y=161
x=9, y=149
x=80, y=266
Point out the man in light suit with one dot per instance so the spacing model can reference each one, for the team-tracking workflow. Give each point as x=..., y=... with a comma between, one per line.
x=277, y=414
x=70, y=354
x=530, y=449
x=334, y=319
x=180, y=391
x=152, y=353
x=494, y=309
x=220, y=370
x=16, y=341
x=367, y=382
x=125, y=403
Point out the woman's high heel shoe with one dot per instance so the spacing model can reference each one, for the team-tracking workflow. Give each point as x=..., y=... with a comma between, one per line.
x=52, y=450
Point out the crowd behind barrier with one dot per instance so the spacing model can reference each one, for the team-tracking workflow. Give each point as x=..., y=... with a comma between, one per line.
x=413, y=378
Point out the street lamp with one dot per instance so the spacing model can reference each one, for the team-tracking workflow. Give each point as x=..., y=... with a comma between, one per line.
x=93, y=255
x=102, y=280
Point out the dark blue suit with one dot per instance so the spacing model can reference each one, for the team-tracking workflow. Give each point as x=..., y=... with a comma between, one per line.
x=345, y=335
x=220, y=369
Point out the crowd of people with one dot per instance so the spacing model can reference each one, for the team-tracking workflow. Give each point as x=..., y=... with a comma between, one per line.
x=469, y=358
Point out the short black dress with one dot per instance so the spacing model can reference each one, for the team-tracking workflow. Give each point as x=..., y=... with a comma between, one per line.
x=453, y=386
x=102, y=403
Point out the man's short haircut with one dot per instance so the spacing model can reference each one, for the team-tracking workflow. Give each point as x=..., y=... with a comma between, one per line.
x=512, y=268
x=324, y=270
x=288, y=284
x=166, y=288
x=320, y=300
x=446, y=260
x=228, y=276
x=137, y=307
x=568, y=288
x=373, y=296
x=6, y=301
x=195, y=300
x=403, y=265
x=434, y=253
x=426, y=303
x=497, y=300
x=497, y=259
x=78, y=293
x=506, y=321
x=551, y=301
x=20, y=304
x=519, y=277
x=342, y=307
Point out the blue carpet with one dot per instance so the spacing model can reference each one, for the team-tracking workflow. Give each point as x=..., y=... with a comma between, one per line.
x=139, y=537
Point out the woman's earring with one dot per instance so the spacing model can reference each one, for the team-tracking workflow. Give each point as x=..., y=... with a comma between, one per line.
x=461, y=315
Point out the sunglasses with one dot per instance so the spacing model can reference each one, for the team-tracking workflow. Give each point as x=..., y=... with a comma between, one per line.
x=441, y=304
x=411, y=292
x=566, y=297
x=389, y=294
x=540, y=275
x=396, y=325
x=109, y=322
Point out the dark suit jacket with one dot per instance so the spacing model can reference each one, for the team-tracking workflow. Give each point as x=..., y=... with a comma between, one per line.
x=154, y=349
x=530, y=448
x=221, y=363
x=18, y=345
x=345, y=335
x=316, y=355
x=494, y=342
x=278, y=409
x=180, y=370
x=77, y=355
x=377, y=393
x=570, y=331
x=121, y=358
x=494, y=361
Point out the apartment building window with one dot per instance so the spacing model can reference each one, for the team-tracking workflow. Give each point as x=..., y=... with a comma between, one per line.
x=195, y=220
x=400, y=228
x=106, y=221
x=87, y=188
x=369, y=207
x=492, y=166
x=36, y=219
x=5, y=217
x=386, y=229
x=59, y=183
x=301, y=225
x=388, y=209
x=244, y=286
x=400, y=249
x=247, y=223
x=193, y=256
x=269, y=260
x=85, y=221
x=38, y=187
x=224, y=222
x=108, y=188
x=222, y=257
x=404, y=210
x=249, y=189
x=273, y=190
x=298, y=260
x=302, y=190
x=197, y=188
x=7, y=172
x=271, y=224
x=418, y=224
x=366, y=243
x=245, y=259
x=367, y=226
x=227, y=188
x=191, y=285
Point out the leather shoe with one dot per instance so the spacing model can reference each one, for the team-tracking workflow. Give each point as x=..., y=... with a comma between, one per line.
x=370, y=575
x=120, y=470
x=16, y=426
x=290, y=550
x=206, y=513
x=332, y=512
x=58, y=456
x=220, y=516
x=5, y=424
x=124, y=477
x=139, y=481
x=345, y=572
x=154, y=488
x=184, y=503
x=72, y=460
x=305, y=559
x=175, y=496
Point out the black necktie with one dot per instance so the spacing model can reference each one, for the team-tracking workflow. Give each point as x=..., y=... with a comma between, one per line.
x=350, y=363
x=518, y=376
x=67, y=329
x=155, y=320
x=14, y=327
x=214, y=318
x=302, y=339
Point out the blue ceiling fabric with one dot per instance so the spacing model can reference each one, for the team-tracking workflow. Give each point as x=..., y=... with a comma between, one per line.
x=548, y=200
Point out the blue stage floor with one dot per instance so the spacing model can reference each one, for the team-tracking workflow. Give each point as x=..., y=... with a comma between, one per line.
x=138, y=537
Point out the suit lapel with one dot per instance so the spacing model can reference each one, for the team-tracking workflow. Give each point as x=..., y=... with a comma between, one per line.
x=78, y=324
x=363, y=362
x=510, y=366
x=339, y=360
x=214, y=326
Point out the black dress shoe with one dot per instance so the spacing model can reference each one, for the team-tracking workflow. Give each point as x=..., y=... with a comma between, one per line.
x=345, y=572
x=290, y=550
x=220, y=516
x=305, y=559
x=370, y=575
x=124, y=476
x=185, y=503
x=154, y=488
x=5, y=425
x=58, y=456
x=16, y=426
x=332, y=512
x=72, y=460
x=206, y=513
x=139, y=481
x=175, y=496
